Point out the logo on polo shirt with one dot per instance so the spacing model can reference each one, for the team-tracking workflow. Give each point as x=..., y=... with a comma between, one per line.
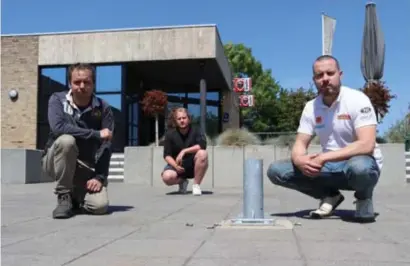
x=344, y=117
x=96, y=112
x=319, y=122
x=365, y=110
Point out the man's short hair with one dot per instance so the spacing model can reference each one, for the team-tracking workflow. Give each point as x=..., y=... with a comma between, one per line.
x=326, y=56
x=80, y=66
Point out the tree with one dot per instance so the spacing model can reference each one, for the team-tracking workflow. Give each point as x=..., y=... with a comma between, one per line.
x=153, y=104
x=400, y=130
x=276, y=109
x=264, y=87
x=290, y=107
x=397, y=132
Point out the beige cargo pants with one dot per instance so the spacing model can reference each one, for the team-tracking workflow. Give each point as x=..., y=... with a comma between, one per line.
x=61, y=164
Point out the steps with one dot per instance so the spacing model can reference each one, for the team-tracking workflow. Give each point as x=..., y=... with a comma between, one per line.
x=407, y=154
x=116, y=172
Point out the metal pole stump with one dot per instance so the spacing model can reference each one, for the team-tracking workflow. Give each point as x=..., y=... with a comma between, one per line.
x=253, y=209
x=253, y=189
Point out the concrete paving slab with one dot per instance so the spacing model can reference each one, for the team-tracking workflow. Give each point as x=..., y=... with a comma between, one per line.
x=156, y=226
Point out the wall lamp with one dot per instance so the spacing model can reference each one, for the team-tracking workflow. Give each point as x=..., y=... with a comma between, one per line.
x=13, y=95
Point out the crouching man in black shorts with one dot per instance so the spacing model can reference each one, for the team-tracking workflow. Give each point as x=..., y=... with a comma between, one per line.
x=185, y=153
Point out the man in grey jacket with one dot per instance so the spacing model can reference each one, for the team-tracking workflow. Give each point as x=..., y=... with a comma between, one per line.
x=78, y=152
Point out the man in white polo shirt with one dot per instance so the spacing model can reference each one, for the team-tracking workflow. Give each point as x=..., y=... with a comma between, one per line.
x=345, y=122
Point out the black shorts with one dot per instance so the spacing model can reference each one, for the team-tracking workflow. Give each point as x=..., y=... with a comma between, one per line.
x=188, y=164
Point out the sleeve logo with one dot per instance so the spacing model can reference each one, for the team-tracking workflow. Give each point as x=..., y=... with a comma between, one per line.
x=365, y=110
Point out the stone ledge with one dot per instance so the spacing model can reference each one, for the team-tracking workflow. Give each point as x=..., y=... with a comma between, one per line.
x=22, y=166
x=143, y=165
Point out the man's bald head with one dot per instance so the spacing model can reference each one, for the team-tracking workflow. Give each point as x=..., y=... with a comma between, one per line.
x=326, y=57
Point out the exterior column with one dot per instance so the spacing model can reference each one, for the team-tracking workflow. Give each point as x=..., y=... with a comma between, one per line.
x=230, y=110
x=202, y=98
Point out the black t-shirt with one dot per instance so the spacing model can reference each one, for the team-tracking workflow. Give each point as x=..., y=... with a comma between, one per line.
x=175, y=141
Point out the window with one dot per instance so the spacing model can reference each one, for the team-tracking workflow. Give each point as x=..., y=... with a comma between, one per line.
x=112, y=99
x=108, y=79
x=51, y=79
x=195, y=112
x=212, y=118
x=214, y=96
x=133, y=113
x=57, y=74
x=212, y=121
x=108, y=86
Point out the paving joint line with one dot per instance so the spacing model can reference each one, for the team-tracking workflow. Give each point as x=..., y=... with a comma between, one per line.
x=188, y=260
x=128, y=234
x=299, y=248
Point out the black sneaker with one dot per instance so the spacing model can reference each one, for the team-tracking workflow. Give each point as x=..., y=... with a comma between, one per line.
x=77, y=206
x=64, y=207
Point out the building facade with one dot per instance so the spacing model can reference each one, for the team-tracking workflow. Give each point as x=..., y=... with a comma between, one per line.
x=128, y=63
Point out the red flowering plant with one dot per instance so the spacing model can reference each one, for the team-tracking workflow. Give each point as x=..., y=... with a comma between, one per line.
x=380, y=96
x=153, y=104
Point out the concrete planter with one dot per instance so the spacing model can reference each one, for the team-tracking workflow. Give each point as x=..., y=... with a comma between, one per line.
x=143, y=165
x=22, y=166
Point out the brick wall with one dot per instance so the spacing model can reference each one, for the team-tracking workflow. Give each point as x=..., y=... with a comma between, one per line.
x=19, y=70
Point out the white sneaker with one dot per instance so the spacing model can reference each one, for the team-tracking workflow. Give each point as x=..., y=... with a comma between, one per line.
x=327, y=206
x=183, y=186
x=196, y=190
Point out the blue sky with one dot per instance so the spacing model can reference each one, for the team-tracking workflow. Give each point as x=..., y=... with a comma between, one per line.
x=284, y=35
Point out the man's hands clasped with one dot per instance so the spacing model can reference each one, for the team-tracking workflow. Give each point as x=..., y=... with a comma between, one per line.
x=310, y=164
x=178, y=160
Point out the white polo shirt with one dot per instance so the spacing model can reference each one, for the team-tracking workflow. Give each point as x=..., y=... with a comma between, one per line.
x=335, y=125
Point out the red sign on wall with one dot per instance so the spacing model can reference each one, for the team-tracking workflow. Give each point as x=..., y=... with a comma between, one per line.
x=246, y=100
x=242, y=85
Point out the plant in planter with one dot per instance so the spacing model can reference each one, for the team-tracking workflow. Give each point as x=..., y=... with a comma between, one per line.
x=380, y=96
x=154, y=103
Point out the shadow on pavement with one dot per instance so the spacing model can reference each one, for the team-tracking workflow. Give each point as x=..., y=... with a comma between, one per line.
x=340, y=214
x=188, y=193
x=118, y=208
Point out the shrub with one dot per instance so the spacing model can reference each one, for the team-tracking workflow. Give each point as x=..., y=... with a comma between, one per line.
x=281, y=141
x=380, y=97
x=161, y=141
x=237, y=137
x=153, y=104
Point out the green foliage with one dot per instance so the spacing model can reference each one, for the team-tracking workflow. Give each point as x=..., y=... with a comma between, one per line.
x=276, y=109
x=398, y=132
x=290, y=105
x=237, y=137
x=264, y=87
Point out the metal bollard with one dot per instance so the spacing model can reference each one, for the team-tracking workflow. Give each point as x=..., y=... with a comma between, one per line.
x=253, y=189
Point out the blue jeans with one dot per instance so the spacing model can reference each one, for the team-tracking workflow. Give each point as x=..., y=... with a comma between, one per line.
x=359, y=173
